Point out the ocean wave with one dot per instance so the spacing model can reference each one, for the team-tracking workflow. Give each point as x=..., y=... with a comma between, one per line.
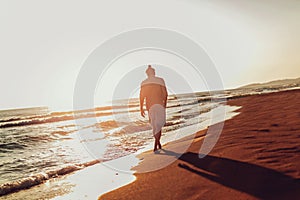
x=36, y=121
x=108, y=125
x=10, y=119
x=131, y=128
x=11, y=146
x=50, y=119
x=39, y=178
x=175, y=122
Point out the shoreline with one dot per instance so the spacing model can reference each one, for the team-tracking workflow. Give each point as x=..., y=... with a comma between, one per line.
x=120, y=172
x=72, y=185
x=257, y=153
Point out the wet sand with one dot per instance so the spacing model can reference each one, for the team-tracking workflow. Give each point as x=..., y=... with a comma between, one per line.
x=256, y=157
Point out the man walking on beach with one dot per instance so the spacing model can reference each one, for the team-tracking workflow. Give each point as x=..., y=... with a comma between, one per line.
x=153, y=89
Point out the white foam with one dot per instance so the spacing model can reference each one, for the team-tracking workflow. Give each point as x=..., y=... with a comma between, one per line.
x=93, y=181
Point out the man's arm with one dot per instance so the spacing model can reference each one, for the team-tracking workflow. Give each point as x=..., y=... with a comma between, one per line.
x=142, y=98
x=164, y=94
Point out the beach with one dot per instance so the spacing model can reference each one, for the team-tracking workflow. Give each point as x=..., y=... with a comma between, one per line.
x=51, y=154
x=257, y=157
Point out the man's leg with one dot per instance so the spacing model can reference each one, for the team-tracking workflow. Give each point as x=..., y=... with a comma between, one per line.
x=158, y=139
x=155, y=143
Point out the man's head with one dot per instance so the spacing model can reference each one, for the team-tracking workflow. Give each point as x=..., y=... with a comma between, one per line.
x=150, y=71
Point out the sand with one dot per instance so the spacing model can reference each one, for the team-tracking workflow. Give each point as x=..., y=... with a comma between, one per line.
x=256, y=157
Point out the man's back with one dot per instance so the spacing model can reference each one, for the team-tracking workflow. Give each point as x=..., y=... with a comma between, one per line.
x=154, y=90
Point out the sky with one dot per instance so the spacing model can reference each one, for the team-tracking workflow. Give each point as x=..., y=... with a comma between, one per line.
x=45, y=43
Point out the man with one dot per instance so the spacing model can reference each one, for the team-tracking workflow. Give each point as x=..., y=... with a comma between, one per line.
x=153, y=89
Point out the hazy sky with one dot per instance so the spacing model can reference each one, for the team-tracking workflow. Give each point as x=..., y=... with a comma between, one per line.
x=44, y=43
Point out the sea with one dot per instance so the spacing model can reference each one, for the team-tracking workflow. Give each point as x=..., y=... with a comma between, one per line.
x=37, y=144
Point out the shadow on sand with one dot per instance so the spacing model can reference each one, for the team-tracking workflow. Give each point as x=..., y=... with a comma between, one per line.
x=255, y=180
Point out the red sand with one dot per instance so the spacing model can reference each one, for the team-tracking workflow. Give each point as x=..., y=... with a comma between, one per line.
x=256, y=157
